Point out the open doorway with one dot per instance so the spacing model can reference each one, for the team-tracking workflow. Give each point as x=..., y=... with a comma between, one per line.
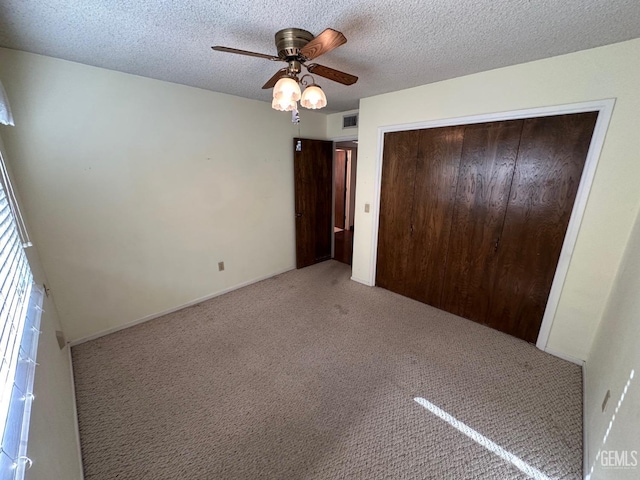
x=344, y=191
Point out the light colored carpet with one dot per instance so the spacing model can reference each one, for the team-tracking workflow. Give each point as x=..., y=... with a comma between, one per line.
x=309, y=375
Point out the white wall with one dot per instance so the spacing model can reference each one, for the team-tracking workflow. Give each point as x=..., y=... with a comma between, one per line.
x=53, y=441
x=607, y=72
x=334, y=126
x=615, y=353
x=137, y=188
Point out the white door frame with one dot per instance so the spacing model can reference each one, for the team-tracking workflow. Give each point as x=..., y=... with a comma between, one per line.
x=605, y=109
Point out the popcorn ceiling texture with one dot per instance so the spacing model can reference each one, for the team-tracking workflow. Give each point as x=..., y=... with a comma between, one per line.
x=391, y=44
x=309, y=375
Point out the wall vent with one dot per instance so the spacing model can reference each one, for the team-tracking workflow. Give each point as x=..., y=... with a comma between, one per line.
x=350, y=121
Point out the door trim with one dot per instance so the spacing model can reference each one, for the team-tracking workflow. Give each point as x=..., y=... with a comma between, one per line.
x=605, y=109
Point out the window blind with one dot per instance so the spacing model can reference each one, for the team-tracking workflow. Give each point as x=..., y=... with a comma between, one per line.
x=5, y=183
x=19, y=330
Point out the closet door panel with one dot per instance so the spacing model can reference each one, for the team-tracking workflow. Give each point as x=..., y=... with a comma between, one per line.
x=486, y=170
x=548, y=169
x=396, y=203
x=435, y=192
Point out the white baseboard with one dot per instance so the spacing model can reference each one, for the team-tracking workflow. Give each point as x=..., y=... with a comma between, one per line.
x=564, y=356
x=75, y=412
x=108, y=331
x=364, y=282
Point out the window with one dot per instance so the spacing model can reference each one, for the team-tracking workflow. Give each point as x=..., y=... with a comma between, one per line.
x=20, y=313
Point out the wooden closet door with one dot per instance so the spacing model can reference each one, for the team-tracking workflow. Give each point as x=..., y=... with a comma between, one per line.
x=396, y=203
x=486, y=170
x=548, y=169
x=436, y=177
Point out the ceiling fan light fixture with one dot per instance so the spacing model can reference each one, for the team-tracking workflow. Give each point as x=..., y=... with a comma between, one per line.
x=313, y=98
x=296, y=47
x=284, y=105
x=287, y=88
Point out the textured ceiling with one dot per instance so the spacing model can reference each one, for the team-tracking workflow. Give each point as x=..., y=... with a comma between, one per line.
x=391, y=44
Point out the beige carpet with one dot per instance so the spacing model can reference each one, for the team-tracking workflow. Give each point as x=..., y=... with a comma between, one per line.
x=312, y=376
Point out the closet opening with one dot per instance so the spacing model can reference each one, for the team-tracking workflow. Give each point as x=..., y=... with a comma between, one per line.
x=473, y=217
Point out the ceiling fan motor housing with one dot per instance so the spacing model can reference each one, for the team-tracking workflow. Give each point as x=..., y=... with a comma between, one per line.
x=296, y=47
x=289, y=42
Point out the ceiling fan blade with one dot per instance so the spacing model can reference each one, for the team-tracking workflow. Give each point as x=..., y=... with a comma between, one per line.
x=218, y=48
x=332, y=74
x=272, y=81
x=323, y=43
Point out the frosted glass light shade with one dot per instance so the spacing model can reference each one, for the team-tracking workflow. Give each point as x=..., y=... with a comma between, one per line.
x=313, y=97
x=284, y=105
x=287, y=88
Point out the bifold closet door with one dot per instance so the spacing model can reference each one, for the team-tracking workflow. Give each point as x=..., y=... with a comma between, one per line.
x=434, y=196
x=484, y=181
x=396, y=204
x=548, y=169
x=473, y=218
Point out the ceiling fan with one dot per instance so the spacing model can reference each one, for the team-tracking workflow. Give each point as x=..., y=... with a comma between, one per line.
x=296, y=47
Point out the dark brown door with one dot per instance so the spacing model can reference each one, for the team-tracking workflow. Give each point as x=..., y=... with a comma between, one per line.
x=340, y=191
x=434, y=196
x=312, y=165
x=396, y=205
x=486, y=170
x=550, y=162
x=473, y=219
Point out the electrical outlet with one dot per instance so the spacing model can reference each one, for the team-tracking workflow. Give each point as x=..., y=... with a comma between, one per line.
x=220, y=266
x=366, y=208
x=606, y=399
